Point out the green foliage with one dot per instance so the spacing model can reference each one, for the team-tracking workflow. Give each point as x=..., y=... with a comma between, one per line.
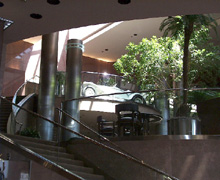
x=204, y=57
x=61, y=77
x=186, y=26
x=151, y=62
x=30, y=133
x=176, y=25
x=107, y=81
x=200, y=96
x=157, y=62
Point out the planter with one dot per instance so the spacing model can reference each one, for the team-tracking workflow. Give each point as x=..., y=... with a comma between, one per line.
x=184, y=126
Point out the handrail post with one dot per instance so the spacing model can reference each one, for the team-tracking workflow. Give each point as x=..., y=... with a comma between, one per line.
x=13, y=125
x=58, y=128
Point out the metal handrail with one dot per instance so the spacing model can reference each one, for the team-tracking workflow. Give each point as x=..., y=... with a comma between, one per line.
x=129, y=157
x=92, y=130
x=146, y=91
x=38, y=158
x=16, y=93
x=14, y=110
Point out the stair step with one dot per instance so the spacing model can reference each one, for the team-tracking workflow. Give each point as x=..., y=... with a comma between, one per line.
x=89, y=176
x=3, y=122
x=51, y=151
x=30, y=139
x=4, y=115
x=5, y=103
x=4, y=118
x=3, y=130
x=44, y=152
x=60, y=159
x=5, y=109
x=3, y=127
x=5, y=106
x=72, y=167
x=41, y=146
x=73, y=161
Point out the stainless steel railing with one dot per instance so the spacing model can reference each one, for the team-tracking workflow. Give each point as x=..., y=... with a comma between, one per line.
x=38, y=159
x=15, y=110
x=122, y=154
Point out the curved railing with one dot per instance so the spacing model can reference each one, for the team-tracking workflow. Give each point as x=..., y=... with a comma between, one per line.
x=118, y=152
x=12, y=122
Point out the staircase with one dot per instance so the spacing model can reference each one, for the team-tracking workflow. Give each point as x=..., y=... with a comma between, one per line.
x=51, y=151
x=5, y=110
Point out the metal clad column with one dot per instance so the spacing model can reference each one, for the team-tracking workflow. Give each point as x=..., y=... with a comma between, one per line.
x=48, y=69
x=73, y=86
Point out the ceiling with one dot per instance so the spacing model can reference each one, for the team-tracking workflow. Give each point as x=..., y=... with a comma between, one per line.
x=109, y=45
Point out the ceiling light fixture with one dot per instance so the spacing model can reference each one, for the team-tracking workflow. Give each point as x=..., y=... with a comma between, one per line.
x=124, y=1
x=36, y=16
x=53, y=2
x=1, y=4
x=7, y=22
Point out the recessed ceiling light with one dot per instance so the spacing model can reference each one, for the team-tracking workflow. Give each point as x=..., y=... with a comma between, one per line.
x=53, y=2
x=124, y=1
x=36, y=16
x=1, y=4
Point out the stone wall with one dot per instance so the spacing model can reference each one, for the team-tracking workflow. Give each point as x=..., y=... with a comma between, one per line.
x=192, y=159
x=209, y=114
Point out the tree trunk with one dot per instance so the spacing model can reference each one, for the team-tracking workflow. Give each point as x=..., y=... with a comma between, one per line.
x=187, y=34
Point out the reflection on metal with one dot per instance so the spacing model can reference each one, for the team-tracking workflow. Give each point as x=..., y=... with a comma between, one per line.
x=184, y=126
x=12, y=122
x=13, y=125
x=73, y=86
x=162, y=103
x=75, y=45
x=48, y=68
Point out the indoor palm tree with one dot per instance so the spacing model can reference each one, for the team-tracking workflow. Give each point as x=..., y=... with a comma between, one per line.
x=185, y=25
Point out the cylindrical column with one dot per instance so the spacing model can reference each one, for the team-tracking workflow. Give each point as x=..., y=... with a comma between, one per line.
x=46, y=99
x=162, y=104
x=73, y=86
